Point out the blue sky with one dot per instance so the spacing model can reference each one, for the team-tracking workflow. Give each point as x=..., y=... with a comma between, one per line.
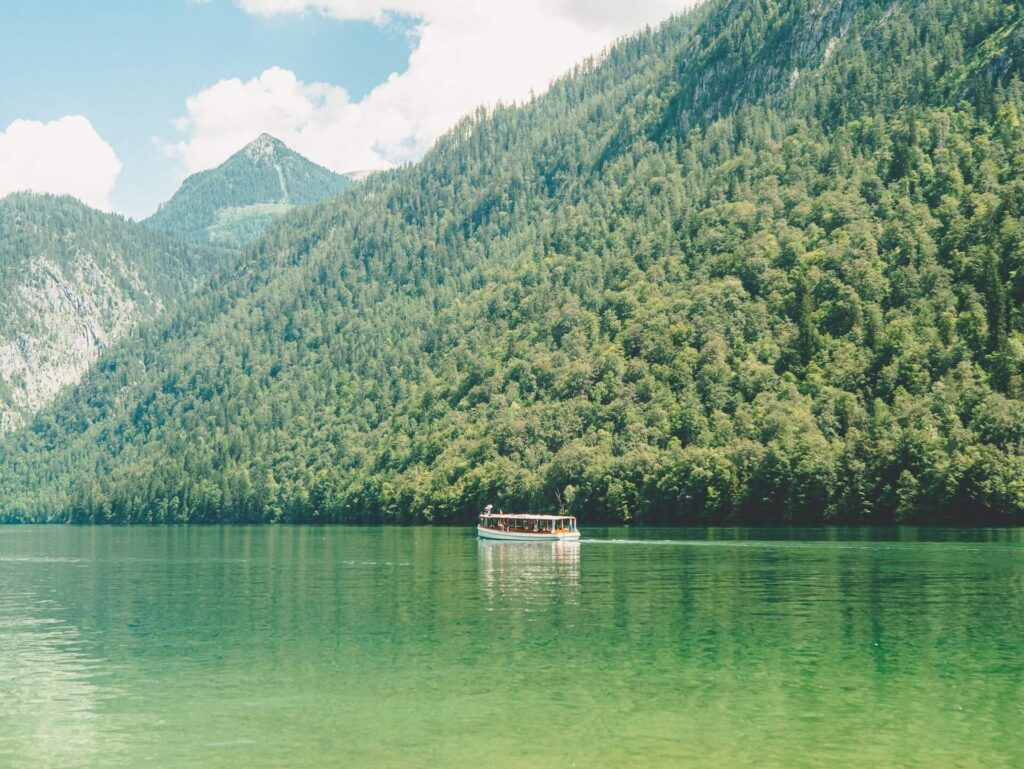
x=129, y=65
x=117, y=101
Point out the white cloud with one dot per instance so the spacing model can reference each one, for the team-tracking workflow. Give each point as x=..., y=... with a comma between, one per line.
x=468, y=53
x=65, y=157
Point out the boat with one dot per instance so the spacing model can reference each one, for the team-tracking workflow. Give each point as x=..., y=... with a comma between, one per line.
x=524, y=527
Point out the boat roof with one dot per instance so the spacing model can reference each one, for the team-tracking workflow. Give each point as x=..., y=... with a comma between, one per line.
x=526, y=516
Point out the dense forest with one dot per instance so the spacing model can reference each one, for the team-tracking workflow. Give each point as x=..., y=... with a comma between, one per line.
x=764, y=264
x=233, y=204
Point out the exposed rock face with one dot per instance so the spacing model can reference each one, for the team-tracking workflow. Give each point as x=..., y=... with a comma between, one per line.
x=73, y=280
x=262, y=145
x=65, y=317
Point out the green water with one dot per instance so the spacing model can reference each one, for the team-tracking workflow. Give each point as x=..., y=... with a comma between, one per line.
x=389, y=647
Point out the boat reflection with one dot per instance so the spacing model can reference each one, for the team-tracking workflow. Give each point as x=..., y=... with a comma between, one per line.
x=529, y=573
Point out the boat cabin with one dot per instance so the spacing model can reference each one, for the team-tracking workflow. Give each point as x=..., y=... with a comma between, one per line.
x=528, y=524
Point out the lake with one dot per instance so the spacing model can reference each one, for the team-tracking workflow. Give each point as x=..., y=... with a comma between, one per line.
x=422, y=647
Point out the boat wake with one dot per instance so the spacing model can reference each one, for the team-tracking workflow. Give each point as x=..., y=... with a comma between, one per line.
x=810, y=543
x=688, y=542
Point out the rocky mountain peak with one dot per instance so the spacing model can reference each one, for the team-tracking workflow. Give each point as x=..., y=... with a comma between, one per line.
x=263, y=145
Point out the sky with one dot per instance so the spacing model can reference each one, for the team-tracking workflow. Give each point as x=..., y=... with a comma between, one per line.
x=116, y=102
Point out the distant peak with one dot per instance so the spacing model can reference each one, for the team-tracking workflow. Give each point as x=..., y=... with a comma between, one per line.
x=263, y=145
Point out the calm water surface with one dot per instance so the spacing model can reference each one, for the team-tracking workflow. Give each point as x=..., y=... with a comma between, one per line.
x=391, y=647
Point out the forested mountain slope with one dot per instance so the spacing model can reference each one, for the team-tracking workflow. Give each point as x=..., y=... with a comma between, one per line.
x=232, y=204
x=763, y=264
x=73, y=280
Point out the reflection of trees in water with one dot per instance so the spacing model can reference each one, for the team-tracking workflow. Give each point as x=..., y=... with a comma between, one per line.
x=531, y=572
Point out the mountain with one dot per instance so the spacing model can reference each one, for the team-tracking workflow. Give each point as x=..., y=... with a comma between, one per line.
x=72, y=281
x=232, y=204
x=764, y=264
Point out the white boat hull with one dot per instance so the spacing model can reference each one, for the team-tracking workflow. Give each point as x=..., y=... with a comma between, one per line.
x=528, y=536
